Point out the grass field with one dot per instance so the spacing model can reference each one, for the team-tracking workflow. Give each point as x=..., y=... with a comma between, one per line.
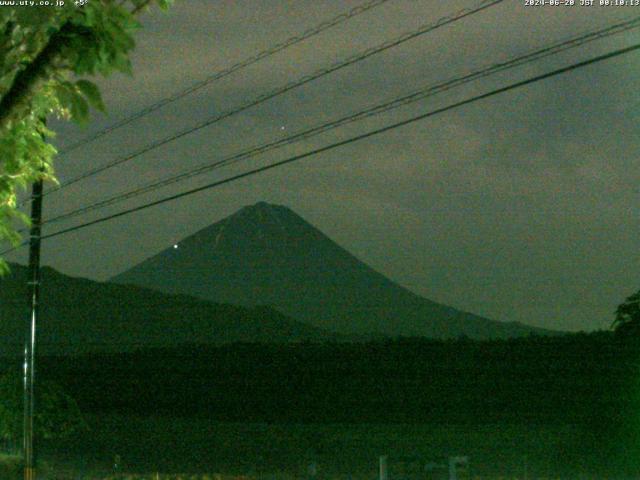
x=173, y=445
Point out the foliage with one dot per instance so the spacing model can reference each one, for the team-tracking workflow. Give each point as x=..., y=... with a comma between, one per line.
x=56, y=416
x=627, y=321
x=11, y=467
x=44, y=52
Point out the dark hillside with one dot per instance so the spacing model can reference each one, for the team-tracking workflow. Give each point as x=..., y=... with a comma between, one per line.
x=79, y=315
x=268, y=255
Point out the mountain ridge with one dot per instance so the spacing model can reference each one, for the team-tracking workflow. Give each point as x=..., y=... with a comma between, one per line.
x=266, y=254
x=78, y=315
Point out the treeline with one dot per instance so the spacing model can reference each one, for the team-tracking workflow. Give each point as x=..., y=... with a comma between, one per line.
x=590, y=379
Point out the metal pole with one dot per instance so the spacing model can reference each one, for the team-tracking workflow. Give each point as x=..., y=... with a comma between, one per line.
x=30, y=340
x=383, y=462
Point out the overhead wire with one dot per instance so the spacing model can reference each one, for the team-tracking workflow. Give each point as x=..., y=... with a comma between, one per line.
x=424, y=29
x=350, y=140
x=309, y=33
x=406, y=99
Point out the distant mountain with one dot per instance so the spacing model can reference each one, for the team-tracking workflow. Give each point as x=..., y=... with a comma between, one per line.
x=79, y=315
x=268, y=255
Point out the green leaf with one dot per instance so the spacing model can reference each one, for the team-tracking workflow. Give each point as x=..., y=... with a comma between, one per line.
x=92, y=94
x=79, y=109
x=4, y=268
x=64, y=95
x=71, y=99
x=165, y=4
x=86, y=63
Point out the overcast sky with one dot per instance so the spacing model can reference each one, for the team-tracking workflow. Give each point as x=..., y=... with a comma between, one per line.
x=520, y=207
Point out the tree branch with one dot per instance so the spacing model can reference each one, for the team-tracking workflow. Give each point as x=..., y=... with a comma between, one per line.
x=140, y=7
x=16, y=101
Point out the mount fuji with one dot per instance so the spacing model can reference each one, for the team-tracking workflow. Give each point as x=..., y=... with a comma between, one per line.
x=266, y=254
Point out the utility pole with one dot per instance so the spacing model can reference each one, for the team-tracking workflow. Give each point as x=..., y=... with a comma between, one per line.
x=30, y=340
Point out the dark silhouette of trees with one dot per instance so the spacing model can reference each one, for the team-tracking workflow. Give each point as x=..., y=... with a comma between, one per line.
x=627, y=321
x=58, y=415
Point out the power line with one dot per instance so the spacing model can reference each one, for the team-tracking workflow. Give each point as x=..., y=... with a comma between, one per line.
x=415, y=96
x=356, y=138
x=232, y=69
x=341, y=143
x=289, y=86
x=222, y=74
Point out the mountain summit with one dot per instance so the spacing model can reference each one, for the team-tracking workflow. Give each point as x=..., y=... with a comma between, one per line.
x=266, y=254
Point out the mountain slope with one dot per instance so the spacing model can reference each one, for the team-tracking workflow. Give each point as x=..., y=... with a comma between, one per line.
x=80, y=315
x=268, y=255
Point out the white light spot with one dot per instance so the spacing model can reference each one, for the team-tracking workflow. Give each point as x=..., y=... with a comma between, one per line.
x=282, y=128
x=175, y=245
